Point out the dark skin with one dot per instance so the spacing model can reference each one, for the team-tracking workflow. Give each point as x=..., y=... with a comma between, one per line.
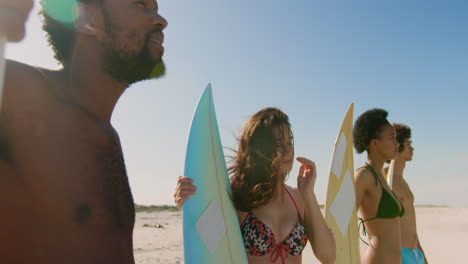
x=384, y=234
x=64, y=190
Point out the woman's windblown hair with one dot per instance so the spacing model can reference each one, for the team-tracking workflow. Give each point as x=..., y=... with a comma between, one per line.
x=256, y=165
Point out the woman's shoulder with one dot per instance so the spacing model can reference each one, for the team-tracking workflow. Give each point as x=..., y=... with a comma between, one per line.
x=363, y=174
x=296, y=195
x=365, y=180
x=292, y=190
x=242, y=216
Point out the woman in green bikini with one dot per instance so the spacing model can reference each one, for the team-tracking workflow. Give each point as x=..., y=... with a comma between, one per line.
x=379, y=208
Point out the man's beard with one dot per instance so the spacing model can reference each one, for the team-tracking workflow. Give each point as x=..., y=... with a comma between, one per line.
x=129, y=69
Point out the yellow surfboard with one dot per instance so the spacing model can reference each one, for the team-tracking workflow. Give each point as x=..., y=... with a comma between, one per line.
x=340, y=206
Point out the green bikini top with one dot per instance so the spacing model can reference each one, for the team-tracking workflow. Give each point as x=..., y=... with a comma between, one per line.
x=388, y=207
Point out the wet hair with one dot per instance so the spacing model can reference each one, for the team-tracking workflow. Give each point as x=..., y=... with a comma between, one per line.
x=60, y=34
x=403, y=132
x=256, y=165
x=367, y=127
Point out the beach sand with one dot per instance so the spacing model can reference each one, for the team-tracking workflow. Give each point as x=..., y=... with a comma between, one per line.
x=443, y=231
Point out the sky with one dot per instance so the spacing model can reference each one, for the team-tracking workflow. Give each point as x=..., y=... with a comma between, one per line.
x=311, y=59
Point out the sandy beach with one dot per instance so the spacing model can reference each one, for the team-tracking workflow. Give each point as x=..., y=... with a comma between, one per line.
x=443, y=231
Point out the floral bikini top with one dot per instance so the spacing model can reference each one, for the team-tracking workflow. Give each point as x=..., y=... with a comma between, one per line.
x=259, y=240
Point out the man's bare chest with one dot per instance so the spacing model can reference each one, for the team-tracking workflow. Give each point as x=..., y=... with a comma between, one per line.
x=77, y=172
x=404, y=193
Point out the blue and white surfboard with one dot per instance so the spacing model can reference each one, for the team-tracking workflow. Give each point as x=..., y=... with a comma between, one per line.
x=210, y=225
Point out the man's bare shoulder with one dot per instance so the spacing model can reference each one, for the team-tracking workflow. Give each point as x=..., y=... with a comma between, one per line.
x=22, y=81
x=26, y=92
x=24, y=96
x=18, y=71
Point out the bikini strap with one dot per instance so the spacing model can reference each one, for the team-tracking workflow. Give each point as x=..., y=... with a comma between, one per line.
x=364, y=231
x=297, y=209
x=361, y=167
x=245, y=218
x=376, y=176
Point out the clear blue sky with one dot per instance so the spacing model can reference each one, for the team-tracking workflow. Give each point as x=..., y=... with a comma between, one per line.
x=312, y=59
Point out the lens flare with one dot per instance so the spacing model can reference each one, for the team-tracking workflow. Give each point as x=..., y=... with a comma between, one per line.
x=63, y=11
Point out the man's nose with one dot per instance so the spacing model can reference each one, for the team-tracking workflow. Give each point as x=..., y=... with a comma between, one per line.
x=160, y=21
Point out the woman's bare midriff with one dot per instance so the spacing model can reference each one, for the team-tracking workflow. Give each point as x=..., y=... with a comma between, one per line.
x=384, y=242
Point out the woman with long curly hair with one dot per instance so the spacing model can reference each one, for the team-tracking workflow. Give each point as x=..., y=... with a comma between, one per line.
x=276, y=220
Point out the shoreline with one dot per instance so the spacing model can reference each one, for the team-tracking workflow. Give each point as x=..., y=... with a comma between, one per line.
x=442, y=230
x=139, y=208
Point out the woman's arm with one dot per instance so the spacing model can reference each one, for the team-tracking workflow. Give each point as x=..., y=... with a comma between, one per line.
x=320, y=237
x=359, y=186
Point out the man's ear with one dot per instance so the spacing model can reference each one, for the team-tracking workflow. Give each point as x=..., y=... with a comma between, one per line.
x=83, y=20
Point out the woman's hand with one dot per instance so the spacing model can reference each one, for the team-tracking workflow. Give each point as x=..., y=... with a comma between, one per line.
x=307, y=176
x=183, y=191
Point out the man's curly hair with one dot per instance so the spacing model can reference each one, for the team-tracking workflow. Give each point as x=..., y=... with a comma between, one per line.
x=402, y=132
x=367, y=127
x=60, y=33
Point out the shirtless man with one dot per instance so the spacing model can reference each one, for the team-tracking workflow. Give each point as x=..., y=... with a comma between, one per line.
x=64, y=192
x=412, y=251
